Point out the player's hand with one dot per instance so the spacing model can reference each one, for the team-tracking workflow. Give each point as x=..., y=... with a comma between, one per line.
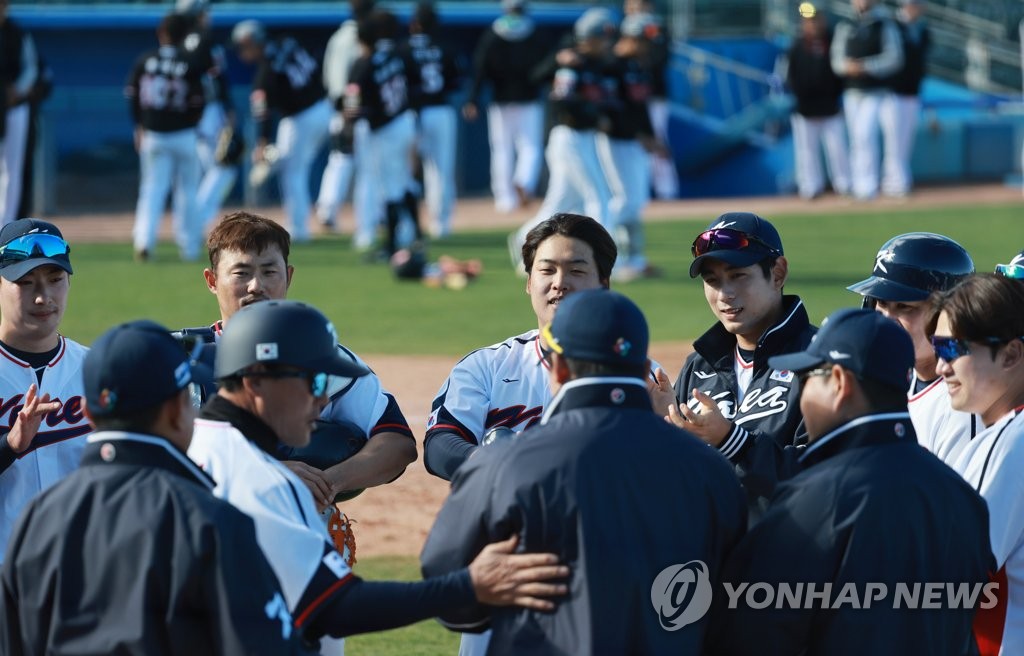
x=469, y=111
x=137, y=138
x=854, y=68
x=315, y=479
x=257, y=152
x=663, y=397
x=707, y=422
x=503, y=578
x=29, y=417
x=567, y=57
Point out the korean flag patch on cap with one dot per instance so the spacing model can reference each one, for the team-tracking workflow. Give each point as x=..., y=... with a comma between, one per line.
x=266, y=351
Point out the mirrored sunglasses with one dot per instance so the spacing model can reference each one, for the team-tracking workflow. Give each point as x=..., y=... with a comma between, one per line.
x=1015, y=271
x=726, y=239
x=33, y=245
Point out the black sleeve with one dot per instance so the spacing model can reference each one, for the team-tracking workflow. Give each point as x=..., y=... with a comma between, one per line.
x=365, y=606
x=444, y=452
x=262, y=100
x=480, y=56
x=131, y=91
x=7, y=454
x=545, y=70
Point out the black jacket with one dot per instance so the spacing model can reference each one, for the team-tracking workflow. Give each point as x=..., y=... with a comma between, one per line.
x=505, y=55
x=816, y=87
x=768, y=419
x=619, y=495
x=870, y=507
x=132, y=554
x=916, y=43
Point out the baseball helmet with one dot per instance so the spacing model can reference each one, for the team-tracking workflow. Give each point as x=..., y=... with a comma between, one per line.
x=910, y=267
x=282, y=333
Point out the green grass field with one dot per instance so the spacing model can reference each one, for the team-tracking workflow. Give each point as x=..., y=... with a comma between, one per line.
x=376, y=314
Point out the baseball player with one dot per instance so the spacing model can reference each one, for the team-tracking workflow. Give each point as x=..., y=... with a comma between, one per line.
x=865, y=51
x=273, y=365
x=578, y=101
x=908, y=270
x=187, y=579
x=1015, y=269
x=343, y=51
x=726, y=393
x=899, y=114
x=249, y=263
x=378, y=91
x=568, y=486
x=505, y=57
x=18, y=73
x=869, y=511
x=166, y=96
x=979, y=348
x=40, y=380
x=435, y=116
x=817, y=119
x=218, y=119
x=288, y=82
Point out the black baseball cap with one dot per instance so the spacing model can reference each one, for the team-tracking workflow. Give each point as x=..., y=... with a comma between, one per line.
x=739, y=238
x=26, y=244
x=598, y=325
x=861, y=340
x=136, y=366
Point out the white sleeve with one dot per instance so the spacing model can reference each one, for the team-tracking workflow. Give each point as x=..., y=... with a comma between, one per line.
x=1003, y=489
x=465, y=397
x=890, y=59
x=837, y=53
x=29, y=69
x=361, y=401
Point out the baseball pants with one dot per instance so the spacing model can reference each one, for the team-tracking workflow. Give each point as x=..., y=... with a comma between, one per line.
x=575, y=181
x=299, y=138
x=337, y=179
x=13, y=161
x=516, y=133
x=625, y=166
x=809, y=134
x=388, y=166
x=217, y=179
x=169, y=158
x=898, y=117
x=437, y=132
x=862, y=108
x=663, y=169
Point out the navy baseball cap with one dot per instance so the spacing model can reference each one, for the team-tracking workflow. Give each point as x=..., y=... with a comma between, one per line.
x=861, y=340
x=738, y=238
x=136, y=366
x=27, y=244
x=598, y=325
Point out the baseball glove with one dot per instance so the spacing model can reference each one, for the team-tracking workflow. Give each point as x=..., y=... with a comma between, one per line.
x=339, y=527
x=230, y=147
x=332, y=442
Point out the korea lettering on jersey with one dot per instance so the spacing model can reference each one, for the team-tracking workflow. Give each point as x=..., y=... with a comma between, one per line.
x=504, y=384
x=57, y=448
x=940, y=429
x=289, y=529
x=992, y=462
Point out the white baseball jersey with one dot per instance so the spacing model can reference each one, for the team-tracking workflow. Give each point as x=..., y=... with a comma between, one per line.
x=992, y=462
x=940, y=429
x=288, y=527
x=57, y=448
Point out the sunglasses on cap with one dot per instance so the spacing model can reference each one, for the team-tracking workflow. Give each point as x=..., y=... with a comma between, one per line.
x=726, y=239
x=1015, y=271
x=951, y=348
x=317, y=380
x=33, y=245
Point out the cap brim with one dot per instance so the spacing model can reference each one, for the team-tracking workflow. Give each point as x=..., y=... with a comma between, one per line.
x=741, y=259
x=17, y=270
x=801, y=361
x=338, y=366
x=887, y=290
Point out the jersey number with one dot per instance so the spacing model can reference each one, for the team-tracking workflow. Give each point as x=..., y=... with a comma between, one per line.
x=432, y=77
x=300, y=69
x=392, y=95
x=160, y=93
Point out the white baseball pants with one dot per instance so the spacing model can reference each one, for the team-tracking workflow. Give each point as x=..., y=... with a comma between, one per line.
x=13, y=162
x=437, y=139
x=217, y=180
x=516, y=133
x=862, y=109
x=169, y=158
x=809, y=135
x=898, y=116
x=299, y=139
x=663, y=169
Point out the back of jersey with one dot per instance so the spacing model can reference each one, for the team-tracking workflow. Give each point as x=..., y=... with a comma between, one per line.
x=438, y=74
x=292, y=78
x=380, y=85
x=166, y=91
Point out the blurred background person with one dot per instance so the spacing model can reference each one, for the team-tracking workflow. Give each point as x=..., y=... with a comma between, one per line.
x=866, y=50
x=18, y=72
x=505, y=56
x=901, y=110
x=817, y=119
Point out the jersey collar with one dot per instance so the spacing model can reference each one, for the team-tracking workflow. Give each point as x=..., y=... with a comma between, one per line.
x=869, y=430
x=604, y=392
x=252, y=427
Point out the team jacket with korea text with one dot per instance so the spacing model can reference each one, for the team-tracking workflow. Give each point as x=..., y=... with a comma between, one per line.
x=57, y=448
x=132, y=554
x=768, y=418
x=869, y=507
x=620, y=495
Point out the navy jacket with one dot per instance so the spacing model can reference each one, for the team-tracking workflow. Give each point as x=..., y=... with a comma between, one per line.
x=619, y=494
x=870, y=506
x=768, y=419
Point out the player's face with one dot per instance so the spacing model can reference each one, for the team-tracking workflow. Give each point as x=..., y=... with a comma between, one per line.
x=975, y=381
x=243, y=278
x=562, y=265
x=288, y=406
x=913, y=317
x=745, y=300
x=816, y=397
x=31, y=307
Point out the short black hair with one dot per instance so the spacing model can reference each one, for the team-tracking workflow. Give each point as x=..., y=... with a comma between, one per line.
x=136, y=421
x=590, y=369
x=579, y=227
x=378, y=25
x=175, y=27
x=425, y=16
x=883, y=397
